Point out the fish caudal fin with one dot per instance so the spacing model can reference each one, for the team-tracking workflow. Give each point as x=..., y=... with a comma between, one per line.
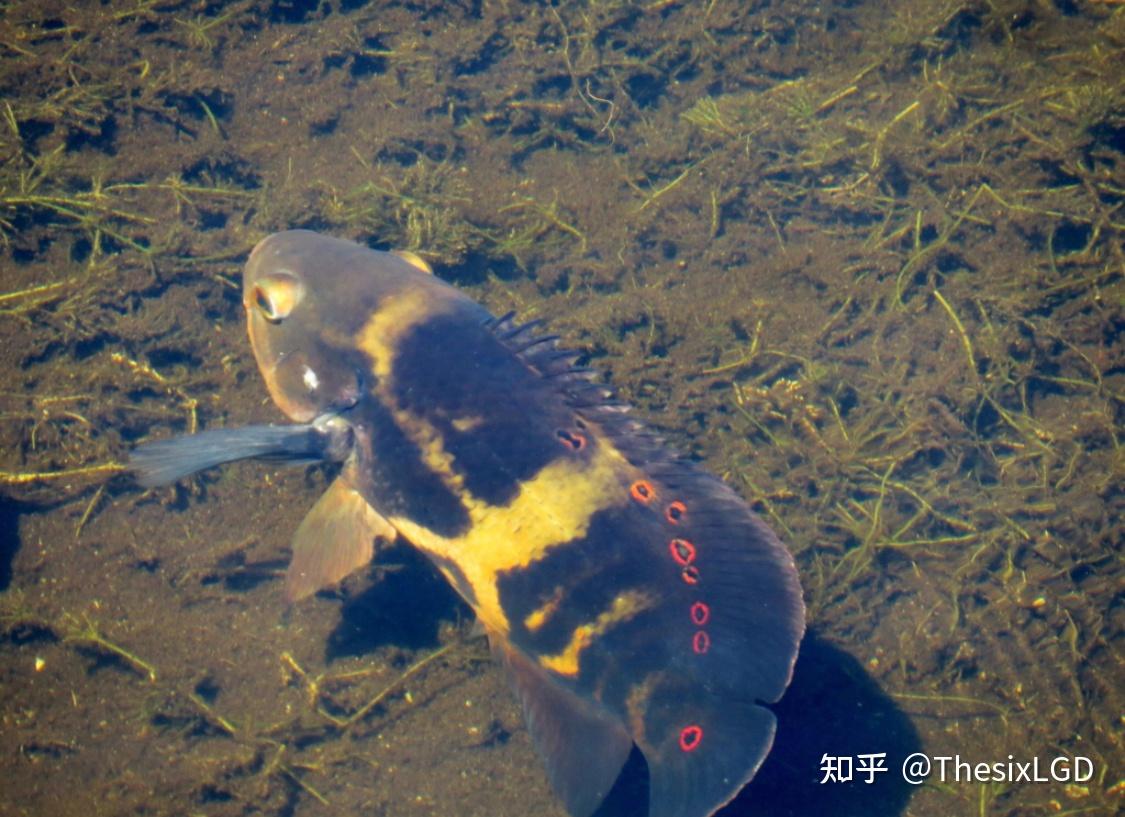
x=583, y=747
x=335, y=538
x=685, y=780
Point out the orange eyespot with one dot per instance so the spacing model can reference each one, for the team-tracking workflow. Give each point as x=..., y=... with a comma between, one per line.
x=682, y=551
x=700, y=613
x=700, y=642
x=675, y=512
x=642, y=491
x=690, y=574
x=576, y=442
x=690, y=738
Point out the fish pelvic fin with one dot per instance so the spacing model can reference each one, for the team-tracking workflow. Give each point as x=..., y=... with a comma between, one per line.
x=336, y=538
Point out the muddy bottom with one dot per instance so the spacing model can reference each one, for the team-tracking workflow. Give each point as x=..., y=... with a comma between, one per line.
x=865, y=264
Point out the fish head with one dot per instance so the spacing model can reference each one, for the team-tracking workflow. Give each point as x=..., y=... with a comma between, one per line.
x=309, y=298
x=303, y=293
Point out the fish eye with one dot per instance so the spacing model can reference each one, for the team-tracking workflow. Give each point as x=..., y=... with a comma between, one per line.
x=265, y=305
x=276, y=295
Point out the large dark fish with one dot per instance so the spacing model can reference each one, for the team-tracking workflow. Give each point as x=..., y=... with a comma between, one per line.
x=631, y=597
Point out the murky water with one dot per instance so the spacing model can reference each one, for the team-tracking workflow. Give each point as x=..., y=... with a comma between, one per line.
x=865, y=262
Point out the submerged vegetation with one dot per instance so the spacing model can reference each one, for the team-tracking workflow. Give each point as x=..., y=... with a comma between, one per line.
x=867, y=264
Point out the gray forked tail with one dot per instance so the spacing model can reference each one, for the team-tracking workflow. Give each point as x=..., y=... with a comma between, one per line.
x=164, y=461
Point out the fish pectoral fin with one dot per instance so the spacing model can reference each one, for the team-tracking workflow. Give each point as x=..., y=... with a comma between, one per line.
x=583, y=746
x=335, y=538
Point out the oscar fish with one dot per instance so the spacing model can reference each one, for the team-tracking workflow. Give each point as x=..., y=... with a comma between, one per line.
x=631, y=597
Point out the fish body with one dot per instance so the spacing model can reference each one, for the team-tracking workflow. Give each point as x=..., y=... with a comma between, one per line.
x=631, y=597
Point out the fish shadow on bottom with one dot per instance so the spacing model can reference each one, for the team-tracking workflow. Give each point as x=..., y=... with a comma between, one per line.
x=403, y=607
x=832, y=707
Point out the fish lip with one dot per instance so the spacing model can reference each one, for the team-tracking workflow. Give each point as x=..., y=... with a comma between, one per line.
x=337, y=425
x=339, y=434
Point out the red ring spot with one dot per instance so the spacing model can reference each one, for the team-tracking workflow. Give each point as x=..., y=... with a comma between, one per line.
x=683, y=551
x=690, y=738
x=700, y=642
x=700, y=612
x=690, y=574
x=575, y=441
x=642, y=491
x=675, y=512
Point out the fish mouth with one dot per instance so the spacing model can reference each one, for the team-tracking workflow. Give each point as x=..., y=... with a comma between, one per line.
x=338, y=434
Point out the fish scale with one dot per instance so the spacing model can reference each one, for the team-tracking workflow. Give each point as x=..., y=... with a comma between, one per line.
x=631, y=597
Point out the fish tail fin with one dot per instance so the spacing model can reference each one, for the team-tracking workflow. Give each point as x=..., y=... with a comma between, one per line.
x=701, y=761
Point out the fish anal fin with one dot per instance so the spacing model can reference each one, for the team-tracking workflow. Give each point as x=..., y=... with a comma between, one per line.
x=583, y=747
x=335, y=538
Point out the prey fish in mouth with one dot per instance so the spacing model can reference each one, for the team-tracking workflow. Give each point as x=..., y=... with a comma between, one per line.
x=631, y=597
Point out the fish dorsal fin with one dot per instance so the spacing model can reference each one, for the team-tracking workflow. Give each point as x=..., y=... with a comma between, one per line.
x=576, y=385
x=335, y=538
x=583, y=748
x=541, y=351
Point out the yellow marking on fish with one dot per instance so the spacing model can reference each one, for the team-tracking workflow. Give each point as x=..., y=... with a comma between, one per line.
x=464, y=424
x=624, y=607
x=414, y=260
x=537, y=618
x=396, y=316
x=431, y=448
x=379, y=338
x=552, y=508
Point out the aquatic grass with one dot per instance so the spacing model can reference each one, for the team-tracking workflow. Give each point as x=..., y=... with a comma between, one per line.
x=99, y=210
x=86, y=632
x=29, y=477
x=69, y=629
x=419, y=209
x=930, y=415
x=145, y=371
x=287, y=748
x=282, y=748
x=317, y=688
x=543, y=218
x=201, y=30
